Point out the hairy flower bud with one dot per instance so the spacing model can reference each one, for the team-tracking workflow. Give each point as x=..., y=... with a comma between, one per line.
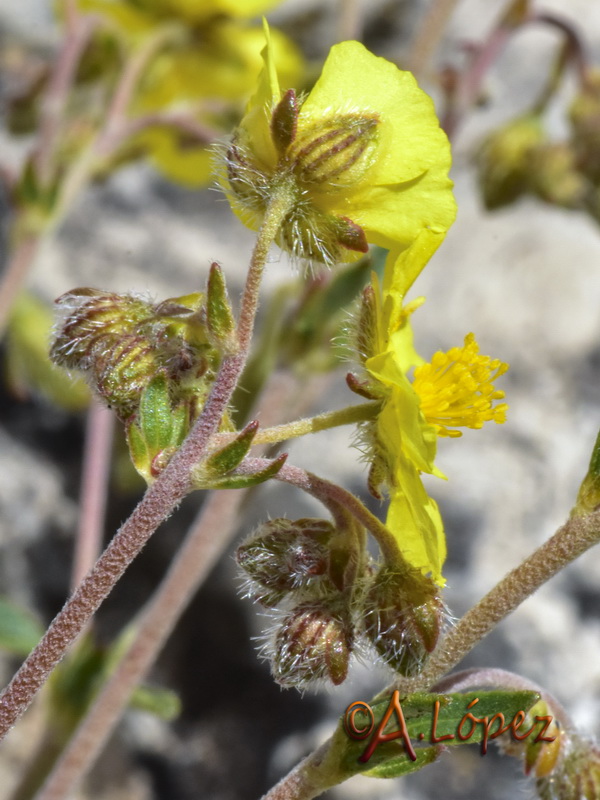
x=122, y=343
x=403, y=617
x=337, y=148
x=314, y=642
x=284, y=556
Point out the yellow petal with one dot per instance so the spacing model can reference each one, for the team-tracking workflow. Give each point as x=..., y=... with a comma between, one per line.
x=404, y=265
x=415, y=521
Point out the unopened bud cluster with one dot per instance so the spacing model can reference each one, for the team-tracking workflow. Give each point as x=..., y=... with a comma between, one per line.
x=311, y=162
x=153, y=363
x=520, y=158
x=332, y=601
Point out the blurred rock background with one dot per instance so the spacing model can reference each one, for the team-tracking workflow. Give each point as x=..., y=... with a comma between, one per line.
x=525, y=279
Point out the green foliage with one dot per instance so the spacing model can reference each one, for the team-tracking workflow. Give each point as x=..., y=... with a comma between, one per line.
x=19, y=629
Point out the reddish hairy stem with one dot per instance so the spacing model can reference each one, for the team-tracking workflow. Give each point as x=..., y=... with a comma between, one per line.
x=332, y=496
x=306, y=780
x=157, y=504
x=204, y=543
x=193, y=561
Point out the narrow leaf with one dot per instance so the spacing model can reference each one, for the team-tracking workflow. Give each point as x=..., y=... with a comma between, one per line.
x=232, y=455
x=163, y=703
x=246, y=481
x=219, y=316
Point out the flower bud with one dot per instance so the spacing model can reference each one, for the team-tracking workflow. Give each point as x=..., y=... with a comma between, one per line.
x=314, y=642
x=284, y=556
x=122, y=343
x=284, y=121
x=576, y=775
x=503, y=161
x=311, y=161
x=555, y=178
x=337, y=148
x=403, y=617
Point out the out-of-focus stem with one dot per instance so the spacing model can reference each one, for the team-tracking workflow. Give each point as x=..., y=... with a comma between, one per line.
x=79, y=31
x=94, y=487
x=13, y=277
x=350, y=20
x=429, y=35
x=204, y=543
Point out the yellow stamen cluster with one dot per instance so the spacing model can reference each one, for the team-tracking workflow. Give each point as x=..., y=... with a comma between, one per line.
x=456, y=389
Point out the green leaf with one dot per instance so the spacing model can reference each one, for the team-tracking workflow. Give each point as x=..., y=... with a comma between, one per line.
x=393, y=758
x=155, y=415
x=243, y=481
x=588, y=497
x=19, y=629
x=163, y=703
x=219, y=316
x=396, y=767
x=229, y=457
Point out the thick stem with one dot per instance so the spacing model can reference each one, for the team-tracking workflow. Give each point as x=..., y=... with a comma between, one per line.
x=157, y=504
x=568, y=543
x=94, y=488
x=204, y=543
x=307, y=780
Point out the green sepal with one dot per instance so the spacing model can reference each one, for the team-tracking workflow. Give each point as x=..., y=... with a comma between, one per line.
x=156, y=430
x=163, y=703
x=284, y=121
x=219, y=316
x=232, y=455
x=20, y=631
x=242, y=481
x=588, y=497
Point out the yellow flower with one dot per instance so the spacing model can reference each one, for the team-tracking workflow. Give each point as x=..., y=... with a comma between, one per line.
x=363, y=155
x=207, y=68
x=454, y=389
